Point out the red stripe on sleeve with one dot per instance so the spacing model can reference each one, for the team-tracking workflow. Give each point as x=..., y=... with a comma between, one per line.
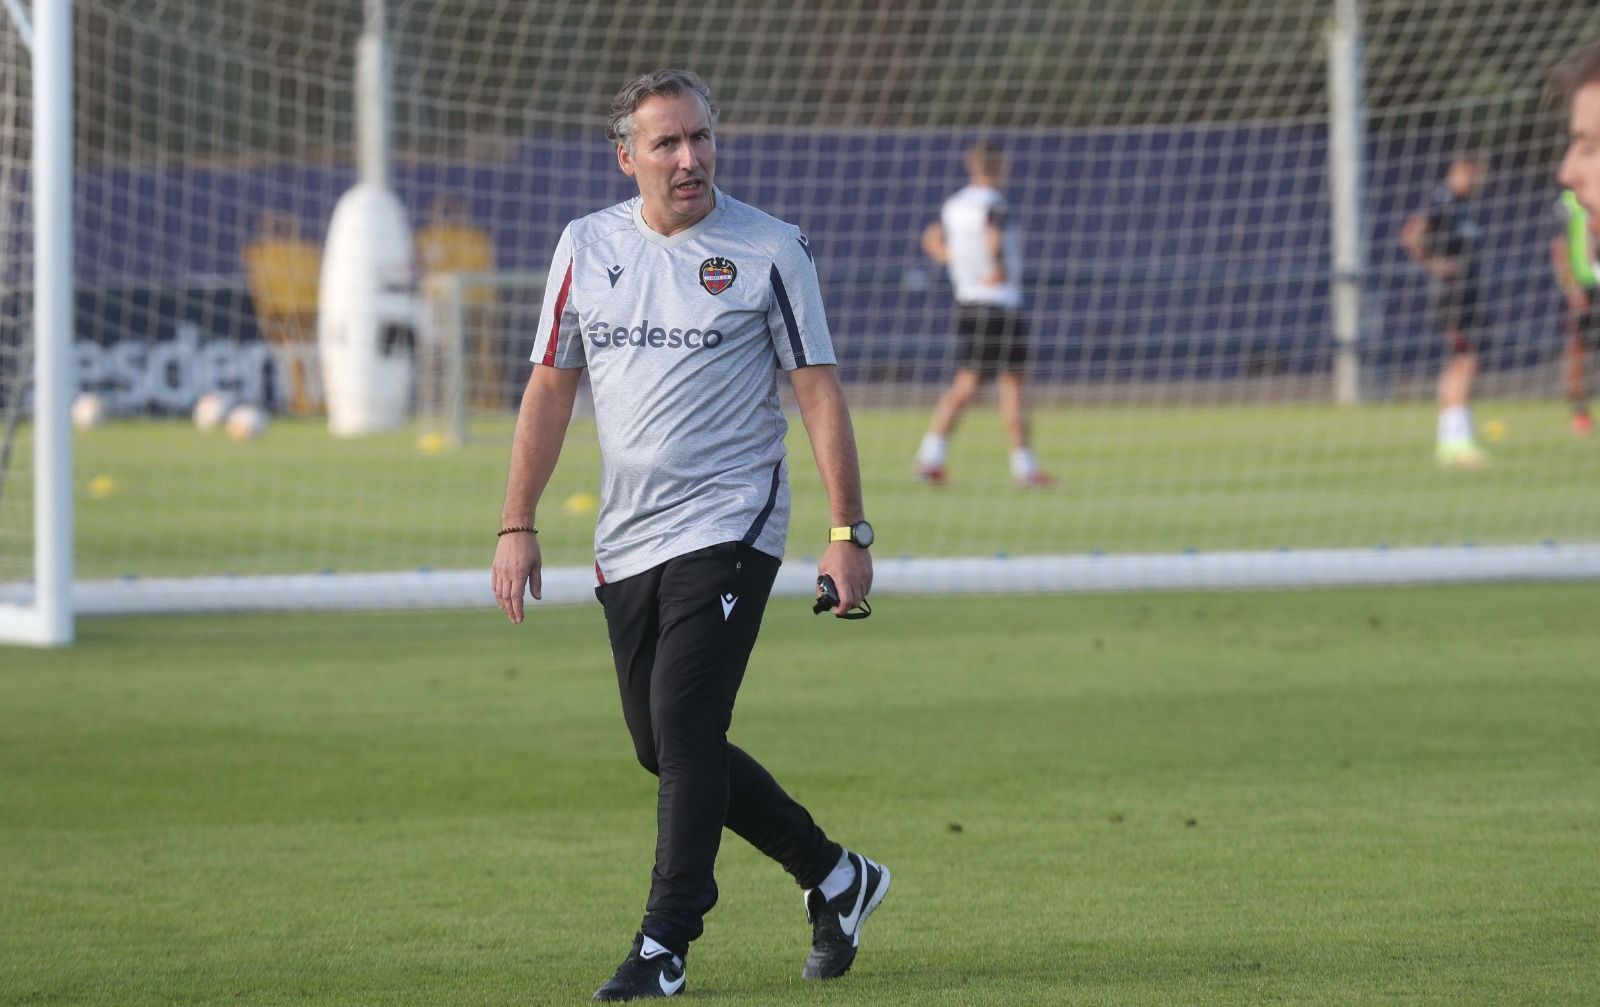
x=555, y=326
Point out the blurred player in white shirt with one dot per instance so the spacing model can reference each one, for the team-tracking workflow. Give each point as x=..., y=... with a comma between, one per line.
x=981, y=246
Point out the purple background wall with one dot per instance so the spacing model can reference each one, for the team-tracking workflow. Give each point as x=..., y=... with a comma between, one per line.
x=1171, y=253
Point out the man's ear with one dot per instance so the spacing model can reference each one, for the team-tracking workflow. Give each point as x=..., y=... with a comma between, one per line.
x=624, y=160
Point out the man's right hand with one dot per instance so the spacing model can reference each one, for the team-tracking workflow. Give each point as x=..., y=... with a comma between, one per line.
x=517, y=564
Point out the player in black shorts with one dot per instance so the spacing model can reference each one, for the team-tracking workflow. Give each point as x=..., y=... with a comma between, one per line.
x=991, y=341
x=1445, y=240
x=978, y=241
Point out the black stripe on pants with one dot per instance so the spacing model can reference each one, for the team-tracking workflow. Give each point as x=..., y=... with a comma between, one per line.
x=681, y=636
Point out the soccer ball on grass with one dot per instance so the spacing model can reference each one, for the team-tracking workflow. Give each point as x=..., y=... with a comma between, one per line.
x=210, y=410
x=246, y=422
x=88, y=410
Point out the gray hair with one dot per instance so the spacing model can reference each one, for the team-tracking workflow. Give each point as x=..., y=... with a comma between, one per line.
x=620, y=127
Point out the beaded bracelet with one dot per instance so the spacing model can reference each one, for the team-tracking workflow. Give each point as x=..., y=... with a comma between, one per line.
x=514, y=529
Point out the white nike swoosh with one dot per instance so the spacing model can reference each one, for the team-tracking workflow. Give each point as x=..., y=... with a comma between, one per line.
x=670, y=987
x=728, y=601
x=851, y=924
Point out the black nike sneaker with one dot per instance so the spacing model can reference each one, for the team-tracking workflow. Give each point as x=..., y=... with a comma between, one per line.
x=650, y=970
x=836, y=923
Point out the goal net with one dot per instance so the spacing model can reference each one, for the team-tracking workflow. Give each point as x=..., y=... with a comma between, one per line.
x=1220, y=396
x=17, y=507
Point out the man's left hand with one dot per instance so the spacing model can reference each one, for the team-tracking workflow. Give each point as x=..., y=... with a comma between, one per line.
x=850, y=566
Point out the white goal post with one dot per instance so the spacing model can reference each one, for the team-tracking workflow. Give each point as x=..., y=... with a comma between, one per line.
x=44, y=615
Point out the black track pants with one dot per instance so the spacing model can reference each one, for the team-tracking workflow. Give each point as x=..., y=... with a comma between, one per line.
x=681, y=635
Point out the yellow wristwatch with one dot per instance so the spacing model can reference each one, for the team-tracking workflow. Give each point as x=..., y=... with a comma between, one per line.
x=858, y=534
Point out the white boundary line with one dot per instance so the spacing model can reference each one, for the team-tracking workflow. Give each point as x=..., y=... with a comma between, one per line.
x=1289, y=568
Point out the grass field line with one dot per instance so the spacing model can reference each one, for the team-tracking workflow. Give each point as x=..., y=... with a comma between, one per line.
x=566, y=585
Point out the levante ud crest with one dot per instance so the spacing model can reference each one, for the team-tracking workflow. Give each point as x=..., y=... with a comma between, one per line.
x=717, y=274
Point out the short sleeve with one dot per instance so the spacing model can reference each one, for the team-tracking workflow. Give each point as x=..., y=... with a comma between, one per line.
x=999, y=214
x=557, y=343
x=795, y=317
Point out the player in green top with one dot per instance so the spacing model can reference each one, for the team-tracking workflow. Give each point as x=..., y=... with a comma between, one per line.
x=1572, y=253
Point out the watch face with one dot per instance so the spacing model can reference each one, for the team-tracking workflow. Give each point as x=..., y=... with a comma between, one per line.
x=861, y=534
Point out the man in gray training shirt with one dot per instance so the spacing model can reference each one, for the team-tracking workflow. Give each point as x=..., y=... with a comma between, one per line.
x=683, y=303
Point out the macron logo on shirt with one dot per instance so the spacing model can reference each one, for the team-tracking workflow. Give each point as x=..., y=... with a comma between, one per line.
x=615, y=272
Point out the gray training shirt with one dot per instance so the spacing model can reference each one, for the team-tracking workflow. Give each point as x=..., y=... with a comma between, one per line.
x=683, y=337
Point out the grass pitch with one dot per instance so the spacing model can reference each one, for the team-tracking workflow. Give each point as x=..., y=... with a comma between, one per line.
x=1351, y=797
x=172, y=500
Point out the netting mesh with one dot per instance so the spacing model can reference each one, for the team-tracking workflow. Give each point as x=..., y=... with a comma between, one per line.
x=1168, y=169
x=16, y=316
